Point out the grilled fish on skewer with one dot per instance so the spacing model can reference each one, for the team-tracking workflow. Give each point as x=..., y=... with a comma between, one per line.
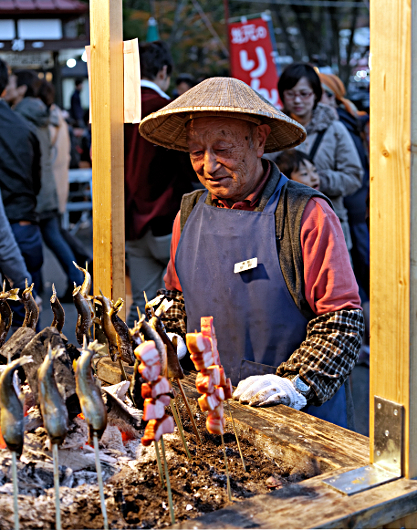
x=86, y=287
x=58, y=311
x=174, y=367
x=12, y=420
x=107, y=325
x=52, y=404
x=6, y=314
x=84, y=320
x=124, y=339
x=89, y=394
x=31, y=308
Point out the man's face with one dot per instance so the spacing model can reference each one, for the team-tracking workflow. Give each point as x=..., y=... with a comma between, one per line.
x=225, y=153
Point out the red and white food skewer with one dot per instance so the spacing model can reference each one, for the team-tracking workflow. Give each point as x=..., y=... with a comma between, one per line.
x=211, y=380
x=157, y=395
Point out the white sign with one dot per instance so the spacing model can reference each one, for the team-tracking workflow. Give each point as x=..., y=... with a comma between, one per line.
x=246, y=265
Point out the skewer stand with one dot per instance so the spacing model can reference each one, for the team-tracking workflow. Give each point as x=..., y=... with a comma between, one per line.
x=15, y=491
x=56, y=486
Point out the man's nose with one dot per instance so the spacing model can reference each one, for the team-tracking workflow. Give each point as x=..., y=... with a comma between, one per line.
x=210, y=162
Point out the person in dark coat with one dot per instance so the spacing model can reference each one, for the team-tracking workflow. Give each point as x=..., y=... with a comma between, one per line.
x=20, y=183
x=76, y=110
x=155, y=181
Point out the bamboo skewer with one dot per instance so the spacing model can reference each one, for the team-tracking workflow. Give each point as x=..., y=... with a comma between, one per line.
x=170, y=502
x=158, y=459
x=229, y=491
x=237, y=438
x=193, y=423
x=15, y=492
x=100, y=482
x=56, y=486
x=181, y=430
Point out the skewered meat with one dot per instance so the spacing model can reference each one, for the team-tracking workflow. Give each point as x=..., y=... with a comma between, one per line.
x=148, y=353
x=89, y=394
x=208, y=402
x=53, y=408
x=150, y=334
x=173, y=364
x=11, y=408
x=150, y=373
x=198, y=343
x=154, y=409
x=202, y=360
x=156, y=428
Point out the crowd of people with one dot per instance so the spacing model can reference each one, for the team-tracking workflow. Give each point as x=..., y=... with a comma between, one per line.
x=39, y=142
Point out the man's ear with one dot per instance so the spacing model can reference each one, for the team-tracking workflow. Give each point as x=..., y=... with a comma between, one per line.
x=262, y=133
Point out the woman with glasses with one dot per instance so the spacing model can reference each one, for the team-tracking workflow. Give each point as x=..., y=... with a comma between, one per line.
x=328, y=142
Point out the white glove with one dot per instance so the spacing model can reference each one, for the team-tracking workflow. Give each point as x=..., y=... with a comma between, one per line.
x=179, y=344
x=270, y=389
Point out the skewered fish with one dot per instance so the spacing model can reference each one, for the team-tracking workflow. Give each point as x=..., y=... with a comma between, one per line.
x=89, y=394
x=124, y=339
x=6, y=314
x=107, y=325
x=86, y=287
x=11, y=408
x=84, y=320
x=53, y=408
x=58, y=311
x=31, y=308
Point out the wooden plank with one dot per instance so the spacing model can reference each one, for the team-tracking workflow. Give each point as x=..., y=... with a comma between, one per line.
x=310, y=504
x=393, y=216
x=107, y=147
x=296, y=437
x=409, y=521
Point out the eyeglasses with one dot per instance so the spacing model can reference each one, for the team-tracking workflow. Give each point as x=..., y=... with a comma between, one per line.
x=302, y=95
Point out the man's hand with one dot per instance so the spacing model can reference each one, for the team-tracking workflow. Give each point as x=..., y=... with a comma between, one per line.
x=179, y=344
x=259, y=390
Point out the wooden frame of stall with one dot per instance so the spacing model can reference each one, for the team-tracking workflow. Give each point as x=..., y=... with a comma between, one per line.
x=393, y=371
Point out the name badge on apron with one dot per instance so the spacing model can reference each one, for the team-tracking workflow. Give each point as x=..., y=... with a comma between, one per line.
x=246, y=265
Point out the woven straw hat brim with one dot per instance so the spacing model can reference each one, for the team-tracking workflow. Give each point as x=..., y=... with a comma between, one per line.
x=220, y=95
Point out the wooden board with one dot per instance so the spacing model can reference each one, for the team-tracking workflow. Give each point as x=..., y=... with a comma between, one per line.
x=296, y=437
x=312, y=505
x=393, y=369
x=107, y=147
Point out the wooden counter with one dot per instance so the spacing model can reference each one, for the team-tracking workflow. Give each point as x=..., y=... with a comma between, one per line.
x=307, y=441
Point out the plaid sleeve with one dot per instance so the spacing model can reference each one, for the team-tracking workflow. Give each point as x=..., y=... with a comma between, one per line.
x=175, y=319
x=328, y=354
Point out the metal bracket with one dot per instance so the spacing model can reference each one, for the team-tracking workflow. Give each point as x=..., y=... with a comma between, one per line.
x=388, y=441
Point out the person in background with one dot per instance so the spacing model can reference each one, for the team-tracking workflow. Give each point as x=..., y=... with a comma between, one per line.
x=20, y=183
x=60, y=143
x=356, y=205
x=328, y=142
x=298, y=166
x=183, y=83
x=155, y=180
x=76, y=110
x=37, y=114
x=12, y=264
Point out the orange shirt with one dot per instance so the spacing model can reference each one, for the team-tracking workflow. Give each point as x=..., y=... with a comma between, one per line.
x=330, y=284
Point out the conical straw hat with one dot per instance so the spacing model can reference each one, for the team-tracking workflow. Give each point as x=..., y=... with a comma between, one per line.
x=220, y=96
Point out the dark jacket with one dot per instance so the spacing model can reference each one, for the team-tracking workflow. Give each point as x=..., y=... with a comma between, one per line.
x=155, y=178
x=36, y=113
x=19, y=166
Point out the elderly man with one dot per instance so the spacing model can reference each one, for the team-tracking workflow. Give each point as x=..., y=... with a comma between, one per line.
x=264, y=255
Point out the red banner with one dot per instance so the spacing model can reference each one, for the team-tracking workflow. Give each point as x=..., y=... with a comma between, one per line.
x=252, y=56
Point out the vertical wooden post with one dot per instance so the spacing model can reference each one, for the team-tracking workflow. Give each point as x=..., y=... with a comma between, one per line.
x=107, y=146
x=393, y=370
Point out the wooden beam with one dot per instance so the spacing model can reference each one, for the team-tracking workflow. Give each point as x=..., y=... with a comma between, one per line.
x=107, y=146
x=393, y=216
